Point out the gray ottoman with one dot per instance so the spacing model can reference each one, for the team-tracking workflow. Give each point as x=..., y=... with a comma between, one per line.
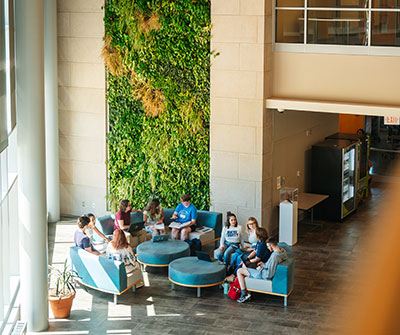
x=192, y=272
x=161, y=253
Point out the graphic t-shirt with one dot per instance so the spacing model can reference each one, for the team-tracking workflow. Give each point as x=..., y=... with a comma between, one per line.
x=186, y=214
x=231, y=235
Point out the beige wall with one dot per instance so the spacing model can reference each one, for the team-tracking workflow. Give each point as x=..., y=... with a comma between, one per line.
x=351, y=78
x=239, y=87
x=293, y=136
x=82, y=113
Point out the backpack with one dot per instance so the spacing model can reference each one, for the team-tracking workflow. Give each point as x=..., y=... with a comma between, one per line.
x=234, y=290
x=195, y=245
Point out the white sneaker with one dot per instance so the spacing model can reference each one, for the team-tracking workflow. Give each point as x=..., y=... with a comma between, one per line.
x=246, y=297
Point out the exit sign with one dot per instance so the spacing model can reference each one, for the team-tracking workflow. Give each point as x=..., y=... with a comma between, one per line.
x=390, y=120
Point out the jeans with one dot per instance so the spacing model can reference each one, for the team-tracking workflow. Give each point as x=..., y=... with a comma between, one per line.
x=225, y=255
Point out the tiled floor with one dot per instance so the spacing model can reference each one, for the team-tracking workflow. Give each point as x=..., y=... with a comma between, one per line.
x=324, y=256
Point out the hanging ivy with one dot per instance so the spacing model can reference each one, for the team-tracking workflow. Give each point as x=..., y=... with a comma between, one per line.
x=157, y=54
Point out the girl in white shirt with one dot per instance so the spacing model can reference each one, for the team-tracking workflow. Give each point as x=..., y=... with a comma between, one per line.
x=231, y=238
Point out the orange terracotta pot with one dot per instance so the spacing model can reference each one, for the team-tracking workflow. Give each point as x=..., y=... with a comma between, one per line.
x=61, y=307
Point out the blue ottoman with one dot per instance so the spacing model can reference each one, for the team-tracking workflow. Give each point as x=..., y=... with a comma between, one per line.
x=192, y=272
x=161, y=253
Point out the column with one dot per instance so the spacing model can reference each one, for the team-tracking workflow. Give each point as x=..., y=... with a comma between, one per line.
x=31, y=163
x=51, y=110
x=240, y=144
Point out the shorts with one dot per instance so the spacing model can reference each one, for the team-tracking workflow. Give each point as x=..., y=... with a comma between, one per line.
x=254, y=273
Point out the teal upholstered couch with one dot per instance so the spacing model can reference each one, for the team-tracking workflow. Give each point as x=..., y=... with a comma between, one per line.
x=103, y=274
x=205, y=220
x=283, y=281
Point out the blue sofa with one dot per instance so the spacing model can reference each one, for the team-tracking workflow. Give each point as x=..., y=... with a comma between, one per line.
x=205, y=220
x=103, y=274
x=283, y=281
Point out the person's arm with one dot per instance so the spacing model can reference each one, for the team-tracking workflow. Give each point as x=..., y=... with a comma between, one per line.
x=145, y=220
x=100, y=234
x=89, y=249
x=162, y=216
x=222, y=240
x=88, y=246
x=193, y=216
x=122, y=225
x=251, y=255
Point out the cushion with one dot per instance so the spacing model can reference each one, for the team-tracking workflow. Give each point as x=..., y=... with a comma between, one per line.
x=191, y=271
x=161, y=253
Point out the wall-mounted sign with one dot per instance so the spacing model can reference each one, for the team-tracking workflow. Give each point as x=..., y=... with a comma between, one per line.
x=392, y=120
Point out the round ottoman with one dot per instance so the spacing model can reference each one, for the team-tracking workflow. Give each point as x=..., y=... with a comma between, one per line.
x=161, y=253
x=192, y=272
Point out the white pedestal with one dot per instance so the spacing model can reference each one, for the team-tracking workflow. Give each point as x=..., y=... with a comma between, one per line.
x=288, y=222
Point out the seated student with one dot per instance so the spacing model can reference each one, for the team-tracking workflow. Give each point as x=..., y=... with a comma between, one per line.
x=92, y=228
x=251, y=227
x=81, y=239
x=184, y=212
x=260, y=253
x=123, y=222
x=264, y=270
x=153, y=215
x=120, y=250
x=231, y=238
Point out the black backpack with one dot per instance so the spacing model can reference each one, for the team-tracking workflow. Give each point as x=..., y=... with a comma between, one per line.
x=195, y=245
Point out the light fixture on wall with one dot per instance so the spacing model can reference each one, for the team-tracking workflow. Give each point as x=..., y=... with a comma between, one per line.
x=281, y=110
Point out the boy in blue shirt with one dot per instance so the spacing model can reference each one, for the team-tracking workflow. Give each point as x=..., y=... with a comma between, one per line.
x=185, y=213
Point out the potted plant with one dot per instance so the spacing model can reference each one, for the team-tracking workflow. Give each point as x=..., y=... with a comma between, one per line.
x=62, y=295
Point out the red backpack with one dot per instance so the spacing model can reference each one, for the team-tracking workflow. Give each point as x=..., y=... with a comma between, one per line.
x=234, y=290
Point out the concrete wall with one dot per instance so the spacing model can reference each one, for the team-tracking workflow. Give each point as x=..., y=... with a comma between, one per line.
x=294, y=134
x=82, y=112
x=240, y=78
x=351, y=78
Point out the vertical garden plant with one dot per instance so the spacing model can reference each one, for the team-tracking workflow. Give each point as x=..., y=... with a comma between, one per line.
x=157, y=55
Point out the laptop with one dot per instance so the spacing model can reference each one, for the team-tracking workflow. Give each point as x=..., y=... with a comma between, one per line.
x=159, y=238
x=203, y=256
x=136, y=226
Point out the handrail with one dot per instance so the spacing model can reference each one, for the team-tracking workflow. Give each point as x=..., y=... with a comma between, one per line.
x=10, y=307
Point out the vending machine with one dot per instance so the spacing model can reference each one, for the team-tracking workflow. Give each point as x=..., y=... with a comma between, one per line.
x=334, y=172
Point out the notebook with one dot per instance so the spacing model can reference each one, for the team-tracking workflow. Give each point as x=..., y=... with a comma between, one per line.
x=159, y=238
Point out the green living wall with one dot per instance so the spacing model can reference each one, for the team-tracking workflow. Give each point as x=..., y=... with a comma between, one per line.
x=157, y=54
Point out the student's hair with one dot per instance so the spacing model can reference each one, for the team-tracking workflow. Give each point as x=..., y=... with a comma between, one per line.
x=83, y=221
x=90, y=215
x=123, y=204
x=272, y=240
x=153, y=208
x=228, y=217
x=119, y=240
x=185, y=197
x=261, y=234
x=252, y=220
x=360, y=131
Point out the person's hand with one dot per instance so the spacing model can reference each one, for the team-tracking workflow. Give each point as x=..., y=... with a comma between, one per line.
x=241, y=263
x=153, y=229
x=258, y=268
x=174, y=216
x=222, y=248
x=260, y=263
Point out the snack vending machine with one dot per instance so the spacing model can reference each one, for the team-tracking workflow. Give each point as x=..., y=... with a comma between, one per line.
x=333, y=172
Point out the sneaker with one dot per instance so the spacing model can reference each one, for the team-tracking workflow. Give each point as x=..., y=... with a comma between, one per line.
x=244, y=298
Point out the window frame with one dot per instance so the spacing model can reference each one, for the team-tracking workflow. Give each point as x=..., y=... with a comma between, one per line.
x=334, y=48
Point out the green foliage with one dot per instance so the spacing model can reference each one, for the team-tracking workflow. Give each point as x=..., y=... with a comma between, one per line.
x=165, y=47
x=64, y=280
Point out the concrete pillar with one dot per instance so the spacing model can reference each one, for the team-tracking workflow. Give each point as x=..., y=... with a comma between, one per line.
x=51, y=110
x=31, y=163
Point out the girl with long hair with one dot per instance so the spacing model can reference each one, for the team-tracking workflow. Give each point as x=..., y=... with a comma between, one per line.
x=153, y=216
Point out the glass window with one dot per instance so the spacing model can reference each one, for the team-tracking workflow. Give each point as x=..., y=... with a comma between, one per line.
x=338, y=3
x=337, y=27
x=385, y=4
x=385, y=29
x=289, y=3
x=290, y=26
